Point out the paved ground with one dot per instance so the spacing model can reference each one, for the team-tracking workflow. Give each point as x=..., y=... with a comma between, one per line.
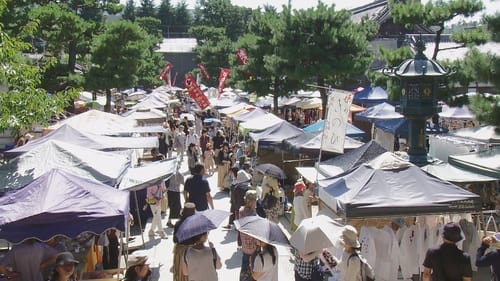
x=160, y=253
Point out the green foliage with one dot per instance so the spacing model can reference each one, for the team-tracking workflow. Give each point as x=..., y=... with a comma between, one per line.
x=166, y=16
x=182, y=19
x=433, y=13
x=24, y=104
x=213, y=47
x=327, y=49
x=151, y=26
x=486, y=109
x=493, y=23
x=116, y=57
x=146, y=9
x=476, y=36
x=129, y=11
x=222, y=14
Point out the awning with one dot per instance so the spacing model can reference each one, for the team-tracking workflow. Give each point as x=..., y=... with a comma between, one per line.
x=311, y=174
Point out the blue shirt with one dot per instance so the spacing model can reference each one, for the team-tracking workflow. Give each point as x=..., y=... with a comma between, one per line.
x=197, y=188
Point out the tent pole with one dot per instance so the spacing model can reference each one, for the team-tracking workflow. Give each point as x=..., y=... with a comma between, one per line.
x=121, y=251
x=139, y=217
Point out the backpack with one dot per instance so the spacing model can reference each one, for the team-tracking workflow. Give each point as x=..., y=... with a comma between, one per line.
x=367, y=273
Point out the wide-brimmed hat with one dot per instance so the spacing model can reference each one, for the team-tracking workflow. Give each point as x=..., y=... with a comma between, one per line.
x=136, y=260
x=452, y=232
x=242, y=176
x=65, y=258
x=496, y=240
x=349, y=237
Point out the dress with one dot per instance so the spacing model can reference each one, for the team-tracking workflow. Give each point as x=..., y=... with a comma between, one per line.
x=263, y=263
x=270, y=184
x=299, y=208
x=448, y=263
x=350, y=267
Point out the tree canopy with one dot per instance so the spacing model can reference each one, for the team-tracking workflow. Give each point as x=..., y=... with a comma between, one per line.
x=24, y=103
x=117, y=55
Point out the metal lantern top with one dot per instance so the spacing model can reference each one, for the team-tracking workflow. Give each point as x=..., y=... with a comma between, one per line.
x=419, y=66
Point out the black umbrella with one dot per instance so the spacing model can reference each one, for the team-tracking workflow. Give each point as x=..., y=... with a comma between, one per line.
x=271, y=170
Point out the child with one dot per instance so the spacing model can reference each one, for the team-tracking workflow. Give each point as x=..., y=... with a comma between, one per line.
x=209, y=160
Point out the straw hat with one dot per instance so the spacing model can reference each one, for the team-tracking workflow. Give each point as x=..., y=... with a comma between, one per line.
x=349, y=237
x=242, y=177
x=136, y=260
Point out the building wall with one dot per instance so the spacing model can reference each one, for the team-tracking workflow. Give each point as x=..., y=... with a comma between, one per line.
x=182, y=63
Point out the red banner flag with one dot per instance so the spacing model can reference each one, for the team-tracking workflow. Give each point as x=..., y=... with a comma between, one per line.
x=224, y=73
x=165, y=74
x=196, y=92
x=204, y=71
x=242, y=56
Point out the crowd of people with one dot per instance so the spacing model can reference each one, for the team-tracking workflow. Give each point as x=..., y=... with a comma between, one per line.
x=207, y=150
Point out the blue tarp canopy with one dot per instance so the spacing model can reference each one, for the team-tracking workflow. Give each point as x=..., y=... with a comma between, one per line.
x=105, y=167
x=370, y=96
x=276, y=134
x=400, y=127
x=350, y=130
x=385, y=188
x=59, y=203
x=69, y=134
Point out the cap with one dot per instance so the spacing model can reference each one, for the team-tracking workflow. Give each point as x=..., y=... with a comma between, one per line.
x=65, y=258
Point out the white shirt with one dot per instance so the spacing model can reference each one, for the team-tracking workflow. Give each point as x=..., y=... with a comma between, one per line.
x=268, y=269
x=299, y=208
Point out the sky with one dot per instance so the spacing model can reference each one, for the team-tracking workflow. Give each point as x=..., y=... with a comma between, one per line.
x=492, y=6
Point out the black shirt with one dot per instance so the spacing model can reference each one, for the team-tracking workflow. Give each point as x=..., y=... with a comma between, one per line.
x=197, y=188
x=448, y=263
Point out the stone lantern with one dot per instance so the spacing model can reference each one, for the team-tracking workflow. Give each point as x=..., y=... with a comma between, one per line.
x=419, y=79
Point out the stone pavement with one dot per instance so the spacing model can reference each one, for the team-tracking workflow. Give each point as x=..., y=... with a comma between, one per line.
x=160, y=251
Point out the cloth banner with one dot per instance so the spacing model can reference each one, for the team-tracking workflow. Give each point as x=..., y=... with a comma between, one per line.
x=224, y=73
x=339, y=103
x=204, y=71
x=196, y=92
x=242, y=56
x=165, y=74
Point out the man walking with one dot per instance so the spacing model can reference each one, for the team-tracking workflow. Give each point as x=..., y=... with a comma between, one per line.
x=447, y=262
x=197, y=189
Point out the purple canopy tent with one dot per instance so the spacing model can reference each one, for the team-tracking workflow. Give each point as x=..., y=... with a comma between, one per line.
x=58, y=203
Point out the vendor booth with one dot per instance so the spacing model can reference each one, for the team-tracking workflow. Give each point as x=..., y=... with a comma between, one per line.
x=398, y=210
x=104, y=167
x=67, y=133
